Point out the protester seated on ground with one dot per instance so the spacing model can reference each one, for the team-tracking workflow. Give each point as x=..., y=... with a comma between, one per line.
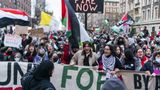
x=30, y=54
x=113, y=84
x=85, y=57
x=130, y=62
x=153, y=66
x=39, y=77
x=9, y=54
x=108, y=62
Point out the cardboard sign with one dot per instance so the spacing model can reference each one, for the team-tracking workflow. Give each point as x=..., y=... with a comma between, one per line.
x=21, y=30
x=12, y=40
x=36, y=32
x=87, y=6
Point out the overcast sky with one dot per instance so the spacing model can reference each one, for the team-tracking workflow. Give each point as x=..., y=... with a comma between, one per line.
x=49, y=5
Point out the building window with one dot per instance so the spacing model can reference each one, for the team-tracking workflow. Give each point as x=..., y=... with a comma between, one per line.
x=144, y=15
x=149, y=14
x=145, y=2
x=155, y=0
x=156, y=12
x=149, y=2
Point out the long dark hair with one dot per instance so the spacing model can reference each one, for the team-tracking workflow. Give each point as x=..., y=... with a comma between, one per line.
x=115, y=48
x=34, y=52
x=111, y=49
x=129, y=56
x=90, y=45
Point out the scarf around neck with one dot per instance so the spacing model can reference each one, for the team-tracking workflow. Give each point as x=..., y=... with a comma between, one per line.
x=108, y=62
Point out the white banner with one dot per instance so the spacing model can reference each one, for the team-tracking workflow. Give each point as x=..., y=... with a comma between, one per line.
x=12, y=40
x=140, y=81
x=63, y=78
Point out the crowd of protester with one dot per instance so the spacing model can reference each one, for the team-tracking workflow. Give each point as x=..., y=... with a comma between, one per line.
x=107, y=53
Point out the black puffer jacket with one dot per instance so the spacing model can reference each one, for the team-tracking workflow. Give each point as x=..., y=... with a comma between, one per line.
x=38, y=78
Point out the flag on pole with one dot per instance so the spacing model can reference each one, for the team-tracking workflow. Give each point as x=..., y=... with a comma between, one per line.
x=13, y=17
x=83, y=33
x=66, y=19
x=45, y=19
x=74, y=25
x=126, y=19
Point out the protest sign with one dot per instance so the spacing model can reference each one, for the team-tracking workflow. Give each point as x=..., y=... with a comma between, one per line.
x=87, y=6
x=140, y=81
x=12, y=40
x=64, y=77
x=21, y=29
x=36, y=32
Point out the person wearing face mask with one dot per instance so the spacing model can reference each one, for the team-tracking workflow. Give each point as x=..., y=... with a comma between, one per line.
x=55, y=59
x=153, y=65
x=40, y=56
x=9, y=55
x=18, y=57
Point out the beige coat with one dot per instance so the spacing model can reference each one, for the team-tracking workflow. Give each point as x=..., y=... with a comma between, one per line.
x=78, y=59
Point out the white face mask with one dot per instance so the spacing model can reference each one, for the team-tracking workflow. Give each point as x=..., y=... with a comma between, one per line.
x=158, y=60
x=17, y=59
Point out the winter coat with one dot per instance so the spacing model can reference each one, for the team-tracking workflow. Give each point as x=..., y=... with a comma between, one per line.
x=38, y=78
x=78, y=59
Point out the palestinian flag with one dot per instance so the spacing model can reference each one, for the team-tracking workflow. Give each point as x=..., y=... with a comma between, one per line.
x=66, y=19
x=73, y=25
x=13, y=17
x=74, y=29
x=126, y=19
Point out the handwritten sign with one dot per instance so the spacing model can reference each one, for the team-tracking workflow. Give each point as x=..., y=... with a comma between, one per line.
x=36, y=32
x=21, y=30
x=12, y=40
